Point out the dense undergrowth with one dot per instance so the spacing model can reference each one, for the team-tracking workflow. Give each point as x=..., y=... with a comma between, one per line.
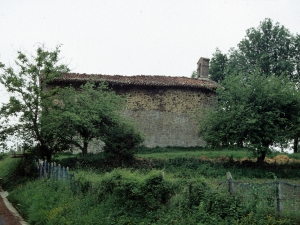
x=191, y=167
x=149, y=191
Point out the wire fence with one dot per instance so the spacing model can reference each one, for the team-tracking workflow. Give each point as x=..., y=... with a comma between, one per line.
x=279, y=196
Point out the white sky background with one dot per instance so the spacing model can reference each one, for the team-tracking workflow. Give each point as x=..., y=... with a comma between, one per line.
x=135, y=37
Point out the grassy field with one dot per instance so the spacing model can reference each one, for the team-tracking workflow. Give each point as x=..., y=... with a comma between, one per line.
x=162, y=186
x=177, y=152
x=193, y=154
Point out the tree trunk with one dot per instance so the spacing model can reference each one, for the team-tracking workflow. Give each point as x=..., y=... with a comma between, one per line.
x=45, y=152
x=296, y=141
x=263, y=153
x=85, y=148
x=261, y=158
x=48, y=156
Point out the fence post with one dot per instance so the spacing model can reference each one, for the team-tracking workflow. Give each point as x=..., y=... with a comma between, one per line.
x=45, y=168
x=41, y=169
x=279, y=198
x=54, y=171
x=48, y=170
x=63, y=173
x=59, y=175
x=51, y=170
x=230, y=183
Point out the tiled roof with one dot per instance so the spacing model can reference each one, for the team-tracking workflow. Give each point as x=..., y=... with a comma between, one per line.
x=141, y=80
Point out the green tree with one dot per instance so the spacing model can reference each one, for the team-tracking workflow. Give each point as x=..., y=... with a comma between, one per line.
x=21, y=115
x=121, y=142
x=218, y=64
x=270, y=47
x=194, y=74
x=258, y=111
x=82, y=114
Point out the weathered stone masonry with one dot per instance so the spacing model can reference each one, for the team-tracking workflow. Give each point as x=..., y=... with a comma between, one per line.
x=166, y=115
x=163, y=107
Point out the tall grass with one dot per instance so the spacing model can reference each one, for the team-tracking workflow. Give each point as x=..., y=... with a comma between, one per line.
x=191, y=167
x=130, y=197
x=8, y=165
x=179, y=190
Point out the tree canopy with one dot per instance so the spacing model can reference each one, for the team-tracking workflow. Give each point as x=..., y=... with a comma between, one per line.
x=258, y=112
x=90, y=112
x=270, y=47
x=218, y=65
x=21, y=115
x=51, y=119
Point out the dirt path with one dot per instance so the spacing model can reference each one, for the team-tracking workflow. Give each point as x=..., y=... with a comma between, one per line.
x=8, y=214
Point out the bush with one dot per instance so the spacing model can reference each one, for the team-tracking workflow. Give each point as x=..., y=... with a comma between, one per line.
x=2, y=155
x=121, y=143
x=130, y=197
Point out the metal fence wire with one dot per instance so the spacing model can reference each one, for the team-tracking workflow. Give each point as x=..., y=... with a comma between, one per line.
x=280, y=197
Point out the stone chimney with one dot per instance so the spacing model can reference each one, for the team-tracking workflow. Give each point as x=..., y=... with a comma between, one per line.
x=203, y=68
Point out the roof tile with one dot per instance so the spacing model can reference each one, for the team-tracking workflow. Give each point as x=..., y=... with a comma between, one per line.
x=143, y=80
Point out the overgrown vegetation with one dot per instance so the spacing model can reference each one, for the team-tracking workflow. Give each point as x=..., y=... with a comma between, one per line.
x=152, y=191
x=48, y=119
x=257, y=107
x=91, y=112
x=258, y=99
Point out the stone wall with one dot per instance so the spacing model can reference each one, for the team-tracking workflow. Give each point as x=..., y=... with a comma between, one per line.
x=167, y=116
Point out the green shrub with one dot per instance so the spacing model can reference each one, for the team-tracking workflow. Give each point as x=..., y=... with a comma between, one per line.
x=256, y=219
x=8, y=165
x=125, y=196
x=121, y=143
x=2, y=155
x=135, y=192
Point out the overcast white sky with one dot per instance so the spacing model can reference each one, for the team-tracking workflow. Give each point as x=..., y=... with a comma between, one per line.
x=134, y=37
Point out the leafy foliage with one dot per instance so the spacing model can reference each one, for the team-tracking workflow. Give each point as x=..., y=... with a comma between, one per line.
x=178, y=194
x=21, y=115
x=121, y=142
x=256, y=111
x=131, y=197
x=270, y=47
x=194, y=74
x=218, y=63
x=90, y=112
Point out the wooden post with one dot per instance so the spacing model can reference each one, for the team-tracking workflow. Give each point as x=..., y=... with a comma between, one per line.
x=58, y=172
x=279, y=198
x=64, y=174
x=230, y=183
x=67, y=173
x=54, y=171
x=45, y=168
x=41, y=169
x=51, y=171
